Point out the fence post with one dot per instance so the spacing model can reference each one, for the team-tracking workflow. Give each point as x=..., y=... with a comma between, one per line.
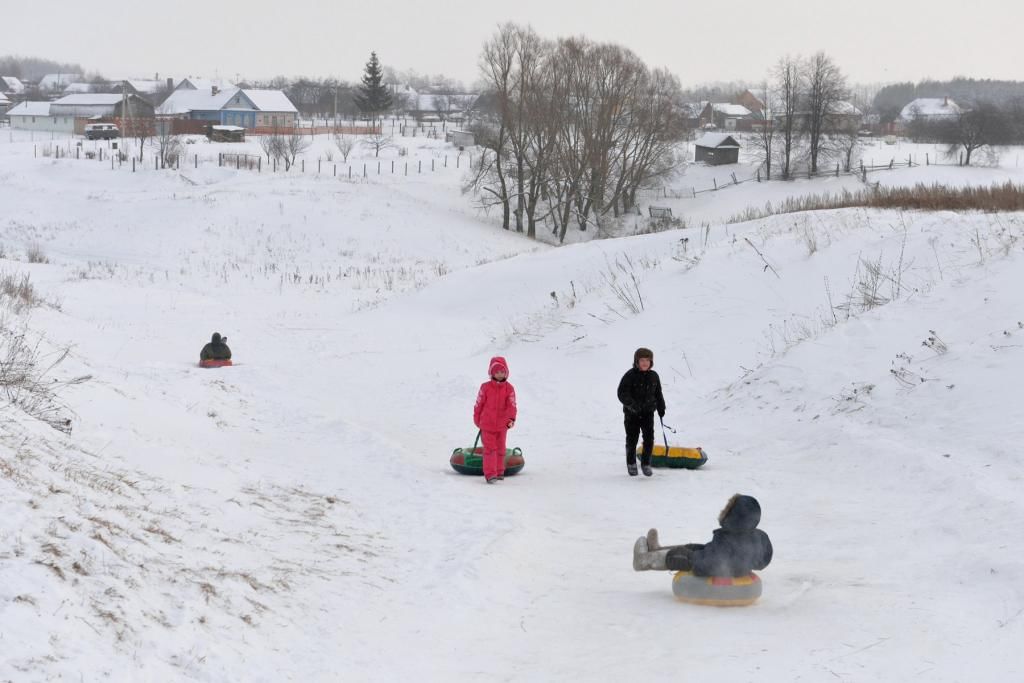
x=156, y=163
x=111, y=163
x=303, y=165
x=758, y=175
x=335, y=170
x=446, y=161
x=275, y=165
x=927, y=161
x=197, y=160
x=133, y=163
x=715, y=182
x=837, y=169
x=350, y=173
x=378, y=168
x=694, y=191
x=407, y=168
x=259, y=164
x=457, y=160
x=318, y=166
x=238, y=162
x=420, y=163
x=392, y=167
x=364, y=170
x=431, y=165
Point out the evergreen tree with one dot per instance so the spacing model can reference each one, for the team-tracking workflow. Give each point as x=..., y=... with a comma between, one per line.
x=373, y=98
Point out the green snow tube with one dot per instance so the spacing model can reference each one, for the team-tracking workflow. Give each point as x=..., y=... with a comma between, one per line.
x=471, y=460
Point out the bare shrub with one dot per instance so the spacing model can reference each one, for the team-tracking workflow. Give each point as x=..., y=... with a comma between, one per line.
x=25, y=380
x=1005, y=197
x=35, y=254
x=345, y=144
x=17, y=292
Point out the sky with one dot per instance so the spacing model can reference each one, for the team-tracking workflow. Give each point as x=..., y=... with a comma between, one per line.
x=873, y=41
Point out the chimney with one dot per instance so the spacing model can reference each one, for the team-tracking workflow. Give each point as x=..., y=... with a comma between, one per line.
x=170, y=84
x=214, y=89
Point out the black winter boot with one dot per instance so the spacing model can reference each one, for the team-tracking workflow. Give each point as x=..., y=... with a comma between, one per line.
x=631, y=461
x=645, y=462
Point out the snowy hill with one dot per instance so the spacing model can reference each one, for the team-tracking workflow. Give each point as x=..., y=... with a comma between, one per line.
x=295, y=518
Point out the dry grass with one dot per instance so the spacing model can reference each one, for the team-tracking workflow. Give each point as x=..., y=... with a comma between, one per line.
x=1005, y=197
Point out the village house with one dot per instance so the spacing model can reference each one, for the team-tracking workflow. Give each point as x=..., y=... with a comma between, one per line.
x=726, y=116
x=101, y=106
x=930, y=110
x=37, y=116
x=9, y=85
x=233, y=107
x=54, y=84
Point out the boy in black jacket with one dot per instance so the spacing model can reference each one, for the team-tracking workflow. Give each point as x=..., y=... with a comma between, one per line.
x=736, y=549
x=640, y=395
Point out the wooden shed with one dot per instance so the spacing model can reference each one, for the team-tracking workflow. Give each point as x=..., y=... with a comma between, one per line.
x=716, y=149
x=226, y=133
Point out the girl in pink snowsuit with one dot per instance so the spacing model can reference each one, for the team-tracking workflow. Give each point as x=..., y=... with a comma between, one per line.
x=494, y=414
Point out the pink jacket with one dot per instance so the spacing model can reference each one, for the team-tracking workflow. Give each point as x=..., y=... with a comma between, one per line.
x=495, y=402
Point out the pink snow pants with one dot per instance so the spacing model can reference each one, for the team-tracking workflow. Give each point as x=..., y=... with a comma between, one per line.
x=494, y=452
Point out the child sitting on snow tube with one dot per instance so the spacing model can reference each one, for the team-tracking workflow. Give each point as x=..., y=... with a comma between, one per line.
x=735, y=549
x=217, y=349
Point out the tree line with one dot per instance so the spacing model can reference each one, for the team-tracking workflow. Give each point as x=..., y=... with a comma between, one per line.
x=572, y=130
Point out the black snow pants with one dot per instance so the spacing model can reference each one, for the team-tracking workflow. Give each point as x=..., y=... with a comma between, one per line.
x=636, y=423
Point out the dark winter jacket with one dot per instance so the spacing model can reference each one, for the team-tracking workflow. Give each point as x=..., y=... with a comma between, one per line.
x=738, y=547
x=216, y=349
x=640, y=392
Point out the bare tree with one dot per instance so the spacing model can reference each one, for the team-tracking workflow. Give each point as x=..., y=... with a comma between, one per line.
x=292, y=145
x=271, y=145
x=168, y=144
x=345, y=144
x=764, y=137
x=378, y=141
x=496, y=65
x=788, y=86
x=979, y=126
x=826, y=87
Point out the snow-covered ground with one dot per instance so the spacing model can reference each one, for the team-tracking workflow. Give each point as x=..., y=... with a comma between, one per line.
x=295, y=518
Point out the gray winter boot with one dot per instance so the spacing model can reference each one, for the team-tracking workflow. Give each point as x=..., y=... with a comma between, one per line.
x=652, y=540
x=644, y=559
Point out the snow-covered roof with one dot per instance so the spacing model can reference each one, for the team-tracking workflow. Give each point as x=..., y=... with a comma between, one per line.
x=844, y=108
x=30, y=109
x=185, y=100
x=930, y=108
x=11, y=84
x=731, y=109
x=77, y=88
x=718, y=141
x=204, y=84
x=146, y=86
x=270, y=100
x=58, y=81
x=93, y=98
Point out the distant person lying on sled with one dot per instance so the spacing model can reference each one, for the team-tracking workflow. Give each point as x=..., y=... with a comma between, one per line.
x=217, y=349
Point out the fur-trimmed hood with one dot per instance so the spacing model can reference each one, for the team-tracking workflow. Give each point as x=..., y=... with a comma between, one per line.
x=741, y=513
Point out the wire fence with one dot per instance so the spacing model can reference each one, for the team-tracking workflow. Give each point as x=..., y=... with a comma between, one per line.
x=860, y=171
